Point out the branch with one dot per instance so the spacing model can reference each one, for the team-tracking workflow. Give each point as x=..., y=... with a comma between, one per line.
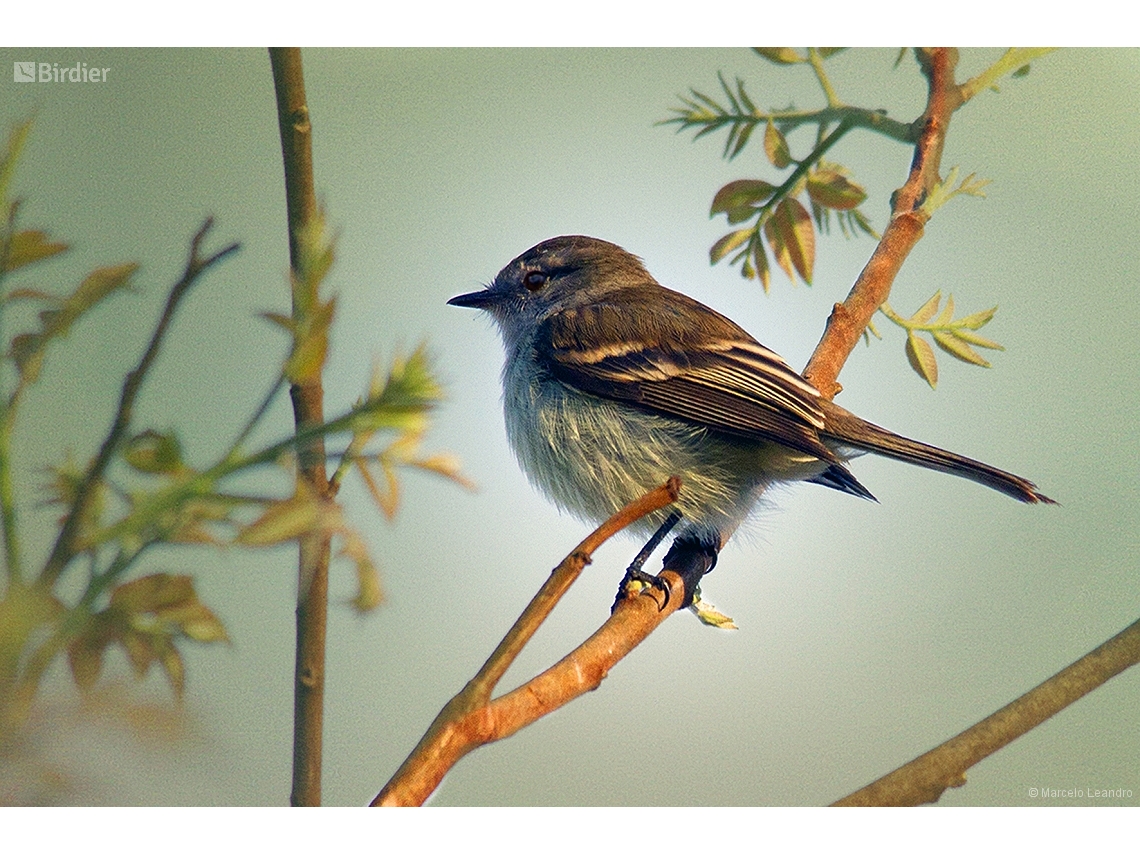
x=925, y=778
x=64, y=548
x=471, y=718
x=848, y=319
x=308, y=409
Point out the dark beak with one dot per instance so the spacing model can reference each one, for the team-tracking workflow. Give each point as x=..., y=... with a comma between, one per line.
x=474, y=300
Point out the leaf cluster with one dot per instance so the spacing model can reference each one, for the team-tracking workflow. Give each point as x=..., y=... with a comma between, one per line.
x=140, y=491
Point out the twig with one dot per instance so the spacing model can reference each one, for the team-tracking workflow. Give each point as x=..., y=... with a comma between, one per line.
x=64, y=548
x=471, y=719
x=925, y=778
x=308, y=410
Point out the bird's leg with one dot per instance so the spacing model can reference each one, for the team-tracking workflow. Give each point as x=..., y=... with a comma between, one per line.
x=634, y=573
x=692, y=560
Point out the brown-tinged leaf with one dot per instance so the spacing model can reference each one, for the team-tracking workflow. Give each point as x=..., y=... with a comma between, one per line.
x=760, y=259
x=926, y=310
x=742, y=194
x=780, y=55
x=31, y=246
x=958, y=348
x=152, y=593
x=921, y=357
x=86, y=663
x=793, y=224
x=727, y=244
x=154, y=453
x=832, y=189
x=976, y=340
x=779, y=249
x=776, y=147
x=828, y=52
x=142, y=649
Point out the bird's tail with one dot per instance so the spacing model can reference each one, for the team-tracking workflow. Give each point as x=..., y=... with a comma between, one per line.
x=850, y=430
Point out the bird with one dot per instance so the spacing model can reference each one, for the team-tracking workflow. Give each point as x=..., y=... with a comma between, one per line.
x=612, y=383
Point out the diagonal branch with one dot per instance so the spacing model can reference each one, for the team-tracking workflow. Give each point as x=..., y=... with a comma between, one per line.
x=64, y=548
x=925, y=778
x=471, y=718
x=908, y=219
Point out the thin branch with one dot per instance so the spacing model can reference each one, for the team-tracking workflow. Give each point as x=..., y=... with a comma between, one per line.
x=471, y=719
x=64, y=548
x=308, y=410
x=848, y=319
x=925, y=778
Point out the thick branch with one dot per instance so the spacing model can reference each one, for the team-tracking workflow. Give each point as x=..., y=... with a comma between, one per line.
x=925, y=778
x=471, y=719
x=308, y=410
x=849, y=318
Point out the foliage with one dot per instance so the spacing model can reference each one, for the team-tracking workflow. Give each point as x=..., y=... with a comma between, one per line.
x=140, y=491
x=783, y=217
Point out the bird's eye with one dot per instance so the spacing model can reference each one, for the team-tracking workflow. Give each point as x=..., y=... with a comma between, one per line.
x=535, y=280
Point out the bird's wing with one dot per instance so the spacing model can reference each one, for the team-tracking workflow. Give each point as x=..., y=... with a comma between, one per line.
x=669, y=354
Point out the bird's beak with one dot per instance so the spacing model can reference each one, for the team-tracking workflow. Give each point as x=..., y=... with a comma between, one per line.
x=475, y=300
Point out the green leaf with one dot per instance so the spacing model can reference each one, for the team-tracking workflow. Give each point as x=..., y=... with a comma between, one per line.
x=828, y=52
x=28, y=247
x=834, y=190
x=796, y=234
x=921, y=357
x=958, y=348
x=1021, y=72
x=154, y=453
x=926, y=310
x=727, y=244
x=780, y=55
x=776, y=147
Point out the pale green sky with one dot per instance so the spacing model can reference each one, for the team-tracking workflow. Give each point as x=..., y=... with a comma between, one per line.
x=869, y=632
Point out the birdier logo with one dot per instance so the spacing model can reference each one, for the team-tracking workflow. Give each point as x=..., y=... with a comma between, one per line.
x=53, y=72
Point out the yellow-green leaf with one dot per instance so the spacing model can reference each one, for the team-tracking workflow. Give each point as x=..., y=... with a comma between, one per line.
x=283, y=521
x=154, y=453
x=30, y=246
x=921, y=357
x=780, y=55
x=958, y=348
x=975, y=339
x=977, y=320
x=776, y=147
x=727, y=244
x=926, y=310
x=175, y=671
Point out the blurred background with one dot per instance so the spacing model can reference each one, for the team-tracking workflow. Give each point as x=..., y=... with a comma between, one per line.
x=868, y=632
